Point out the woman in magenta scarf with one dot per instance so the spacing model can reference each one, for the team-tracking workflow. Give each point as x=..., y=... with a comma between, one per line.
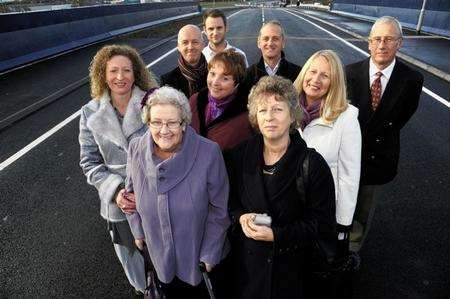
x=219, y=112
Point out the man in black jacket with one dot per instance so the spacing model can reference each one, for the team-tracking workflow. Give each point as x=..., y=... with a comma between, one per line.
x=190, y=75
x=387, y=93
x=271, y=41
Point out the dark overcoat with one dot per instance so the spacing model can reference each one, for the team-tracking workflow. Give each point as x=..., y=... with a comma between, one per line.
x=381, y=129
x=276, y=269
x=230, y=128
x=286, y=70
x=175, y=79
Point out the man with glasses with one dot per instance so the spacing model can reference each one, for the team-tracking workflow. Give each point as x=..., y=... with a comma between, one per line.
x=190, y=74
x=386, y=92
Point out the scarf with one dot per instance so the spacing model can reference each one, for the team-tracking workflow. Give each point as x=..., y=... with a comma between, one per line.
x=216, y=107
x=311, y=112
x=193, y=74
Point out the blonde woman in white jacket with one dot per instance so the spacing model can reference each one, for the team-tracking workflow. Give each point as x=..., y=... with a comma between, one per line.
x=330, y=125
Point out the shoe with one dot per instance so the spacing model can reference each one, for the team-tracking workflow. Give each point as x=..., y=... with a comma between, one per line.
x=356, y=236
x=137, y=293
x=357, y=231
x=355, y=261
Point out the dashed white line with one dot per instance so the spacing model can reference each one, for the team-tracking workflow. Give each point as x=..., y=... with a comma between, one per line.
x=262, y=15
x=424, y=89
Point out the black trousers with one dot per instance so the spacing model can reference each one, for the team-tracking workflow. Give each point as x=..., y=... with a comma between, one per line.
x=177, y=289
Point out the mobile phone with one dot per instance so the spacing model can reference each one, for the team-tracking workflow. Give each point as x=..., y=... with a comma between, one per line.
x=262, y=219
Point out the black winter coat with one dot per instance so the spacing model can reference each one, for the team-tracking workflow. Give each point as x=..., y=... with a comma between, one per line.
x=254, y=72
x=381, y=129
x=276, y=269
x=175, y=79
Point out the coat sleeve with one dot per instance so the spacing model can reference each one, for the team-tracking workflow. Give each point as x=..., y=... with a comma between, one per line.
x=245, y=58
x=165, y=79
x=319, y=220
x=133, y=219
x=349, y=81
x=234, y=204
x=348, y=169
x=217, y=221
x=411, y=99
x=93, y=165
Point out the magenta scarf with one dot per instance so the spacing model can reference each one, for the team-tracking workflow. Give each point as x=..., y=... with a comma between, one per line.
x=216, y=107
x=310, y=113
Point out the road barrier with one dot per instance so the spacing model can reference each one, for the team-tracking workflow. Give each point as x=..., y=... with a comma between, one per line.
x=31, y=36
x=436, y=17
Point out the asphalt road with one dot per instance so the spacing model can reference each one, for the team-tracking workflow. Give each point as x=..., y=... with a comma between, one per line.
x=54, y=243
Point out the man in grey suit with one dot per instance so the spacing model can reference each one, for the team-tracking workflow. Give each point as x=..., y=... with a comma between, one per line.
x=386, y=92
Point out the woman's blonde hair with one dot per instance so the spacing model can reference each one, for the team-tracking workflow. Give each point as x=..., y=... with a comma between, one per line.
x=143, y=78
x=283, y=91
x=335, y=100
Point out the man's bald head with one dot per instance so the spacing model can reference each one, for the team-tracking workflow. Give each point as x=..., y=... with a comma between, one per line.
x=191, y=30
x=190, y=43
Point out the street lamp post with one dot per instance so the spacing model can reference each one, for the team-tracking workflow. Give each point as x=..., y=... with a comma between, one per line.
x=422, y=13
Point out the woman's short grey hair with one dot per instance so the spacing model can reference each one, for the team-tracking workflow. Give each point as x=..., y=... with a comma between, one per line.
x=171, y=96
x=388, y=20
x=282, y=89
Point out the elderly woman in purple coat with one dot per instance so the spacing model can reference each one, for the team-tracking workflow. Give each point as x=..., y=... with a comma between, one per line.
x=180, y=184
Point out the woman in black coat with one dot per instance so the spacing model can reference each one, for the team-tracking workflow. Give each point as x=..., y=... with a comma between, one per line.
x=271, y=260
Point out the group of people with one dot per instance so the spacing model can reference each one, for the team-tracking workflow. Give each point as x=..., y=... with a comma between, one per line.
x=243, y=168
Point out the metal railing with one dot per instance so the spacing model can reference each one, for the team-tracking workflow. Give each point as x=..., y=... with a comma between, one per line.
x=35, y=5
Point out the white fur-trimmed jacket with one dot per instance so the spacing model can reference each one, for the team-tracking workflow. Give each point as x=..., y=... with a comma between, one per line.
x=104, y=146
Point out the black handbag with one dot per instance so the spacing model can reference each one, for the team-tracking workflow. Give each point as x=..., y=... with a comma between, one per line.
x=323, y=249
x=153, y=289
x=323, y=263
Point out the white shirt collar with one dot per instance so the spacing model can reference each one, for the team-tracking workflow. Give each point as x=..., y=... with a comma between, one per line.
x=387, y=72
x=269, y=70
x=228, y=46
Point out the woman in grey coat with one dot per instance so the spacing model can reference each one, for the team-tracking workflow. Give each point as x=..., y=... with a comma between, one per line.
x=181, y=188
x=107, y=124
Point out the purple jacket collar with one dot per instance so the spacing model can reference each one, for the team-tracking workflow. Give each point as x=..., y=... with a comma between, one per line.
x=172, y=170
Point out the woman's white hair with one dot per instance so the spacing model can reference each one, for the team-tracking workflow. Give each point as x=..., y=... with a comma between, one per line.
x=170, y=96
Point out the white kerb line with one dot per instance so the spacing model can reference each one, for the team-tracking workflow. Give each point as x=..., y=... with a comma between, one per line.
x=62, y=124
x=426, y=90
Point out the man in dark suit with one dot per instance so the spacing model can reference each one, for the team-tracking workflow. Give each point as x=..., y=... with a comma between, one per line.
x=387, y=93
x=190, y=75
x=271, y=41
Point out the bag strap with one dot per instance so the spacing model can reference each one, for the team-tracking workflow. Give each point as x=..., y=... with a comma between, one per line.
x=302, y=180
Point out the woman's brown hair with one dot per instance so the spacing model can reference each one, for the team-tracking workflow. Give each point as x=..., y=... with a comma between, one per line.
x=143, y=78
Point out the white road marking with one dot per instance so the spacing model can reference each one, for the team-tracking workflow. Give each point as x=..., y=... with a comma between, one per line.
x=424, y=89
x=33, y=144
x=161, y=58
x=59, y=126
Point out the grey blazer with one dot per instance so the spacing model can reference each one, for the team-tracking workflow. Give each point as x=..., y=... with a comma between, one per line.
x=104, y=145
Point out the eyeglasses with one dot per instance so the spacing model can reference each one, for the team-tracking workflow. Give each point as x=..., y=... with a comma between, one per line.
x=388, y=40
x=172, y=125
